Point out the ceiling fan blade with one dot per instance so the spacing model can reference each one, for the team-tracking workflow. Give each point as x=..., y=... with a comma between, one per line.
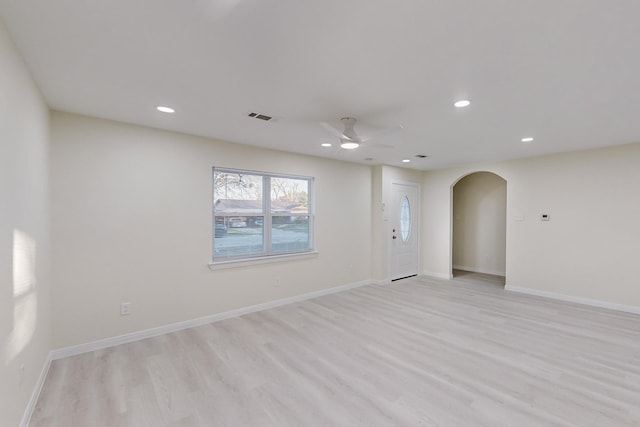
x=382, y=132
x=333, y=130
x=342, y=135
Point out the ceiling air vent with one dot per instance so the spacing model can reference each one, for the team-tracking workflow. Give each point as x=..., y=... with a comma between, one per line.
x=260, y=116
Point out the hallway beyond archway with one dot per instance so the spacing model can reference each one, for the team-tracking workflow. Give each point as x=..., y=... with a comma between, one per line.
x=479, y=224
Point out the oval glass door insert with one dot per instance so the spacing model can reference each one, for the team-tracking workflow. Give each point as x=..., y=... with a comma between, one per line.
x=405, y=219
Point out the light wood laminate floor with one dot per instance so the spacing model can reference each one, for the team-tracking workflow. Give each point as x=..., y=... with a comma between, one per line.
x=418, y=352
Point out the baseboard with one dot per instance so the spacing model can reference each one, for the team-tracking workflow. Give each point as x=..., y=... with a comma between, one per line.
x=153, y=332
x=446, y=276
x=31, y=406
x=574, y=299
x=479, y=270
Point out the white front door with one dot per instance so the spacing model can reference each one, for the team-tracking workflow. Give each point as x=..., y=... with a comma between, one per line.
x=405, y=215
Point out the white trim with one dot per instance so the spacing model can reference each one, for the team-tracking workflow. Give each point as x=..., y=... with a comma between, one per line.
x=37, y=389
x=445, y=276
x=574, y=299
x=255, y=172
x=219, y=265
x=479, y=270
x=148, y=333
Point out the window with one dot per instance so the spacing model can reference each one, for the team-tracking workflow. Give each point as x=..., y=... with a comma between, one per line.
x=405, y=219
x=258, y=215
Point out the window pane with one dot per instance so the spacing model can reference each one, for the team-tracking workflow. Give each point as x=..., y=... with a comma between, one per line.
x=235, y=236
x=290, y=233
x=405, y=219
x=289, y=195
x=244, y=201
x=237, y=193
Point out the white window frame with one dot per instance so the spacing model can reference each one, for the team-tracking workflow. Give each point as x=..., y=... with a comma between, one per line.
x=268, y=254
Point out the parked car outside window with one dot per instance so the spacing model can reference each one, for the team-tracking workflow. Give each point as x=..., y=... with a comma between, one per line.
x=221, y=230
x=237, y=222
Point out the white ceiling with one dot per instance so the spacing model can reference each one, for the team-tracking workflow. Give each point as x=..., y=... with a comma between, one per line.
x=563, y=71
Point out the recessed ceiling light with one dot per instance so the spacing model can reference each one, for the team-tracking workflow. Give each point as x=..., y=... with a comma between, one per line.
x=527, y=139
x=349, y=145
x=326, y=144
x=462, y=103
x=406, y=160
x=165, y=109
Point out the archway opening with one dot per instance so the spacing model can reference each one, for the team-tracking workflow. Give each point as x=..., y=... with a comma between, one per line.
x=479, y=227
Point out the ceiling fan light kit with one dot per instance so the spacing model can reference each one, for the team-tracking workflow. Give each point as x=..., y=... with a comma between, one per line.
x=349, y=145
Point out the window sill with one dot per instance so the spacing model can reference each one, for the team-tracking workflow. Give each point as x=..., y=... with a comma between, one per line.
x=220, y=265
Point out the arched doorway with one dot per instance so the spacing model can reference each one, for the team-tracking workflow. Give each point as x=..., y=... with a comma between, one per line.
x=479, y=225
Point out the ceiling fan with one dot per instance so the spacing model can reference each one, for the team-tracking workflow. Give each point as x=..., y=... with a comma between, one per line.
x=350, y=140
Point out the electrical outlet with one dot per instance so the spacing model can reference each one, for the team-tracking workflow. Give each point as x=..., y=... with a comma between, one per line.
x=277, y=282
x=125, y=309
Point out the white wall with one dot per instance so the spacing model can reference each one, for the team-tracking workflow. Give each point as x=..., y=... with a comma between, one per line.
x=383, y=179
x=25, y=334
x=132, y=222
x=479, y=223
x=592, y=241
